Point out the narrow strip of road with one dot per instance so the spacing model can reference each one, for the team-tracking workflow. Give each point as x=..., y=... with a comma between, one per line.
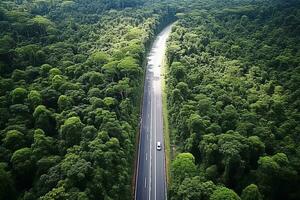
x=151, y=175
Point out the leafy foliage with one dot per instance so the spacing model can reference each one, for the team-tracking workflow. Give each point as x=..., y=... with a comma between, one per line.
x=71, y=82
x=233, y=67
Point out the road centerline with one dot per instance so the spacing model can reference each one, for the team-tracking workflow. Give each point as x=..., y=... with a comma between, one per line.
x=150, y=180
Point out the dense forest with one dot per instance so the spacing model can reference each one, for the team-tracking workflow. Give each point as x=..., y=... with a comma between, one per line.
x=71, y=77
x=71, y=80
x=233, y=99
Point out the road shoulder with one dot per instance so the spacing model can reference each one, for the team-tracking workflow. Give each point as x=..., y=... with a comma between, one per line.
x=165, y=120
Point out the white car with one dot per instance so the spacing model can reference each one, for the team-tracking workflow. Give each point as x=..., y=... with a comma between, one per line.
x=158, y=146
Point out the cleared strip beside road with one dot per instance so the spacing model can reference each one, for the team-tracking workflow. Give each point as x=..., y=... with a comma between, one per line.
x=151, y=175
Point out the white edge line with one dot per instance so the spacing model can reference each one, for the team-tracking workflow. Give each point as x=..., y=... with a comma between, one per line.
x=151, y=102
x=140, y=137
x=138, y=161
x=154, y=152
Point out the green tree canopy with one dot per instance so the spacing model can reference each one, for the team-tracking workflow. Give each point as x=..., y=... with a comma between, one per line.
x=14, y=140
x=18, y=95
x=223, y=193
x=183, y=167
x=251, y=192
x=70, y=131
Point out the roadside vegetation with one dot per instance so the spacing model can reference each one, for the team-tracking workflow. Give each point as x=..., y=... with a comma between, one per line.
x=166, y=124
x=233, y=98
x=71, y=73
x=71, y=77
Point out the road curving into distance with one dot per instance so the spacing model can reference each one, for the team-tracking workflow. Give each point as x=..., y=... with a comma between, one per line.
x=151, y=174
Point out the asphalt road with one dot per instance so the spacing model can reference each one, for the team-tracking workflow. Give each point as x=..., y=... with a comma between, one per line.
x=151, y=175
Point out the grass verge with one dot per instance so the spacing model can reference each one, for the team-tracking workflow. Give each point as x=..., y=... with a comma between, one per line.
x=166, y=121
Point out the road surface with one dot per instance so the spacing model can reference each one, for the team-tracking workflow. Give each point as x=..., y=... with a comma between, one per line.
x=151, y=175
